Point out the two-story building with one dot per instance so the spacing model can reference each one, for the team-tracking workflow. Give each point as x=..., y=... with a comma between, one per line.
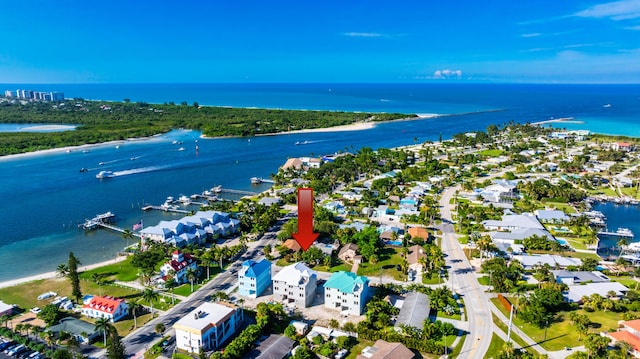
x=178, y=267
x=628, y=332
x=207, y=327
x=346, y=292
x=108, y=307
x=295, y=284
x=254, y=277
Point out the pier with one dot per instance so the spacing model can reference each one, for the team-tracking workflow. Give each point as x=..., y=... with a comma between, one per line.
x=620, y=233
x=235, y=191
x=166, y=209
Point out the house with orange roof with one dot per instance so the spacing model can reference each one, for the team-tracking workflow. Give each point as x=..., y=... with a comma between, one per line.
x=292, y=244
x=418, y=232
x=108, y=307
x=629, y=332
x=622, y=146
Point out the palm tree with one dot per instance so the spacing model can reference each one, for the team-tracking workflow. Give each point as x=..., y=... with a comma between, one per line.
x=103, y=324
x=191, y=276
x=127, y=235
x=150, y=296
x=62, y=270
x=134, y=307
x=4, y=320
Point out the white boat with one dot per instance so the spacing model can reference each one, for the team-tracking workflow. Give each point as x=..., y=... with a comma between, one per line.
x=624, y=232
x=607, y=105
x=104, y=174
x=181, y=149
x=184, y=200
x=256, y=180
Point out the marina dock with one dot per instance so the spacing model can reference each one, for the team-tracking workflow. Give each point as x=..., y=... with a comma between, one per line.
x=166, y=209
x=620, y=233
x=219, y=189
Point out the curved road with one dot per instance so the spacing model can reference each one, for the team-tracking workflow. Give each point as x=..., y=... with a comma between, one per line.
x=465, y=283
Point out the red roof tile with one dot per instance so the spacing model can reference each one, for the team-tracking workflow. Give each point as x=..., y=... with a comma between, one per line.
x=104, y=304
x=633, y=324
x=623, y=335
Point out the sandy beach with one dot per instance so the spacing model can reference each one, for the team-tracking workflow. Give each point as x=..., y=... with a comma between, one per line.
x=50, y=275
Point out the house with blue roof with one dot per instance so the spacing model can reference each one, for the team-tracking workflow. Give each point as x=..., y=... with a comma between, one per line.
x=254, y=277
x=347, y=292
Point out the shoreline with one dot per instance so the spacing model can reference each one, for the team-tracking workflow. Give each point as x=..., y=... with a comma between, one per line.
x=51, y=275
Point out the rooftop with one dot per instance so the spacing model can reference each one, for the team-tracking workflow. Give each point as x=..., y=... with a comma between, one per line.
x=205, y=315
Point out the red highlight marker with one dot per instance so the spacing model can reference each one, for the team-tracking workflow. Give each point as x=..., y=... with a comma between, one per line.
x=305, y=236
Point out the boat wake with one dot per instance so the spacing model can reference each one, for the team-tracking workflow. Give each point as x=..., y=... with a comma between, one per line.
x=134, y=171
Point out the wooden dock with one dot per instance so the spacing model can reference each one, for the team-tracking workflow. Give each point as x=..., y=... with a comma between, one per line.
x=166, y=209
x=235, y=191
x=617, y=234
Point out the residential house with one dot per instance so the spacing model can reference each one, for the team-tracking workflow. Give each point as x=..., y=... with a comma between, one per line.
x=414, y=259
x=207, y=327
x=294, y=163
x=191, y=229
x=554, y=261
x=295, y=285
x=510, y=222
x=347, y=292
x=292, y=244
x=622, y=146
x=551, y=216
x=348, y=252
x=275, y=346
x=577, y=292
x=82, y=331
x=578, y=277
x=269, y=201
x=418, y=232
x=254, y=277
x=628, y=332
x=108, y=307
x=178, y=267
x=384, y=350
x=415, y=310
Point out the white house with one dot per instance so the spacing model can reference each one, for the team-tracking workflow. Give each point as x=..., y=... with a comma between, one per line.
x=179, y=264
x=207, y=327
x=346, y=292
x=108, y=307
x=295, y=284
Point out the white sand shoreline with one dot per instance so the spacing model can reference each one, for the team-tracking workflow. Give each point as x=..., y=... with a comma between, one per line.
x=49, y=275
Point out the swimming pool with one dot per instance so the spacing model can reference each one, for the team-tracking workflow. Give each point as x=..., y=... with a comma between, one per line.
x=393, y=243
x=562, y=241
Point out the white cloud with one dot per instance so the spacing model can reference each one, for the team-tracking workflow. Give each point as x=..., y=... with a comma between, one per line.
x=447, y=74
x=616, y=10
x=362, y=34
x=535, y=34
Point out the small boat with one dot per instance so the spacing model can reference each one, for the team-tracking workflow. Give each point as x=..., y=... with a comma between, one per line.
x=184, y=200
x=83, y=169
x=607, y=105
x=256, y=180
x=297, y=143
x=101, y=164
x=104, y=174
x=181, y=149
x=117, y=147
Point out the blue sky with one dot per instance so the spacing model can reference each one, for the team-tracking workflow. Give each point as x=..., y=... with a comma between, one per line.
x=121, y=41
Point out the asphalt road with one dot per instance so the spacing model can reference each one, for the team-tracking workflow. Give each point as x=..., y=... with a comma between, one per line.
x=465, y=283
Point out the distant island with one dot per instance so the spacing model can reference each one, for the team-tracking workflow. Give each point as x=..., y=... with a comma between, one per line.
x=102, y=121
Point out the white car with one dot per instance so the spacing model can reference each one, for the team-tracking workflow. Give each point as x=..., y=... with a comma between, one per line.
x=35, y=310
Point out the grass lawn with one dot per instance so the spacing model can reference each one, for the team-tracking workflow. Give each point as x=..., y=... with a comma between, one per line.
x=444, y=315
x=389, y=258
x=185, y=289
x=495, y=347
x=357, y=349
x=484, y=280
x=576, y=243
x=631, y=192
x=515, y=337
x=561, y=334
x=490, y=153
x=433, y=280
x=625, y=280
x=122, y=271
x=561, y=206
x=463, y=240
x=456, y=350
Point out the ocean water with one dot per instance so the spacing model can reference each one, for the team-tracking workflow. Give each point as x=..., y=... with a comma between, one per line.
x=45, y=196
x=618, y=216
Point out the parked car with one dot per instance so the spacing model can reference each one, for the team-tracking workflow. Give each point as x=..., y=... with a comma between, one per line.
x=27, y=353
x=14, y=349
x=341, y=354
x=7, y=344
x=10, y=348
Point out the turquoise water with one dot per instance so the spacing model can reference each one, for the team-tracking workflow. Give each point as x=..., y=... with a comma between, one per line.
x=45, y=196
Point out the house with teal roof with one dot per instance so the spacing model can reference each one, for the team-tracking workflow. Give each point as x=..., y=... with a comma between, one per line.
x=254, y=277
x=346, y=292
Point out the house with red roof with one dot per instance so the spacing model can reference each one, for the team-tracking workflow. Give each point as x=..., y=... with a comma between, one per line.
x=178, y=267
x=622, y=146
x=628, y=332
x=105, y=307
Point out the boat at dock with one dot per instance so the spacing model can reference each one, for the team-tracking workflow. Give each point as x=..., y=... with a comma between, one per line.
x=104, y=174
x=620, y=232
x=99, y=219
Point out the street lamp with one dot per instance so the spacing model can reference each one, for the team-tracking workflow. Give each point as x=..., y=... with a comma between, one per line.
x=545, y=329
